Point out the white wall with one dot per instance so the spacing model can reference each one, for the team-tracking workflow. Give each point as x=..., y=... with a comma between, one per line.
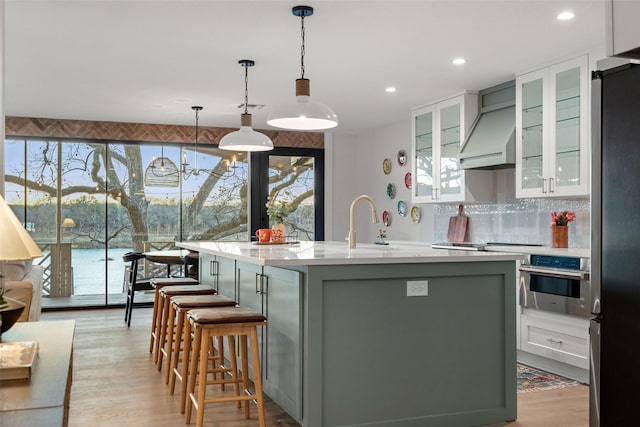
x=340, y=188
x=358, y=170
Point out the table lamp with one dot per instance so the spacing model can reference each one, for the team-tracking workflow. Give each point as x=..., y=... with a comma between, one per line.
x=15, y=245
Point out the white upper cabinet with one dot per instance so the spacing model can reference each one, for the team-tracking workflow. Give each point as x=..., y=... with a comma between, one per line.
x=437, y=131
x=552, y=139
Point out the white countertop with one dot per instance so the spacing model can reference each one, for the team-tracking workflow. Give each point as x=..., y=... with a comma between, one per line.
x=526, y=250
x=338, y=253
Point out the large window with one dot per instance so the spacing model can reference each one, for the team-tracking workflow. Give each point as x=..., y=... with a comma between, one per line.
x=86, y=203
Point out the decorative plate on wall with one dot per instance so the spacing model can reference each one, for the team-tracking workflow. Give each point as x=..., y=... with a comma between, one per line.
x=407, y=180
x=391, y=190
x=386, y=218
x=402, y=208
x=402, y=157
x=386, y=166
x=415, y=214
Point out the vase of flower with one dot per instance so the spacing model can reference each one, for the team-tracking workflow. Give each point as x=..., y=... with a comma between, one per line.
x=559, y=236
x=277, y=212
x=278, y=232
x=560, y=228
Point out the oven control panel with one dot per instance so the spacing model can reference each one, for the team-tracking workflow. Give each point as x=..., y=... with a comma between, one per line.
x=565, y=263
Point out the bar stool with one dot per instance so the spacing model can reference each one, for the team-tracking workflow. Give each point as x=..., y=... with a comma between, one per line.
x=180, y=305
x=229, y=322
x=163, y=308
x=158, y=283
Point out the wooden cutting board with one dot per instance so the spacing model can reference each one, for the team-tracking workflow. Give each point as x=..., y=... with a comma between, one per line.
x=457, y=227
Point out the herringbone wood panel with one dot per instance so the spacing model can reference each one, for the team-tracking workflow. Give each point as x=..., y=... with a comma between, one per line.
x=140, y=132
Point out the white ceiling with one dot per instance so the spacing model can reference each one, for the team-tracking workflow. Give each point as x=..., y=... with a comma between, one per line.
x=148, y=61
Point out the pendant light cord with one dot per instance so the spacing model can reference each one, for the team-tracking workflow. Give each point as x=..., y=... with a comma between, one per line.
x=195, y=150
x=302, y=52
x=246, y=88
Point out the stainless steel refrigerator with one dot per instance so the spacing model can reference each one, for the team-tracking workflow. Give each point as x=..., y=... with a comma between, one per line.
x=615, y=247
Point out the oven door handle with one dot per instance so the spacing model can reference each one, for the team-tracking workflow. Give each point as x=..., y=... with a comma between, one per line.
x=552, y=272
x=523, y=293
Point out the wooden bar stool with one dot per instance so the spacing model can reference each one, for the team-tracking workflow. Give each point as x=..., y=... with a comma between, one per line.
x=158, y=283
x=180, y=305
x=229, y=322
x=165, y=295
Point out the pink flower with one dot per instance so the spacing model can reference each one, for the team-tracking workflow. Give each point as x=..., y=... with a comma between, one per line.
x=562, y=218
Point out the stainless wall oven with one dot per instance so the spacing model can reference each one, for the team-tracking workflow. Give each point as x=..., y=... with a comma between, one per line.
x=556, y=283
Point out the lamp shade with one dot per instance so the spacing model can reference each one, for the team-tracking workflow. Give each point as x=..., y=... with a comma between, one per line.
x=15, y=243
x=246, y=139
x=303, y=114
x=68, y=223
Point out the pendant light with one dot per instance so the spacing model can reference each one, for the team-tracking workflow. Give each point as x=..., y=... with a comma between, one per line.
x=246, y=139
x=303, y=114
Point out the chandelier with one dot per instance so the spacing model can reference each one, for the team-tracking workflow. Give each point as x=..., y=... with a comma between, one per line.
x=194, y=170
x=161, y=172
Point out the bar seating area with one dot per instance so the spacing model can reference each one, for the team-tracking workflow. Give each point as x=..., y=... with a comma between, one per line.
x=189, y=326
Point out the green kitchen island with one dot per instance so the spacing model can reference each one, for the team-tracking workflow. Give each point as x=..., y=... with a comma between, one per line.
x=395, y=335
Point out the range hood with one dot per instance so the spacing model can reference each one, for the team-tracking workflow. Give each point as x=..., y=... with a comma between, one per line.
x=491, y=142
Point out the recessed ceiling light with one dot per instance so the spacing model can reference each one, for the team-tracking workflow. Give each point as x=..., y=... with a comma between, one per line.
x=390, y=89
x=566, y=15
x=459, y=61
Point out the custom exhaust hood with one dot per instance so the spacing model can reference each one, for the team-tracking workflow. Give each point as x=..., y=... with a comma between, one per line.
x=491, y=142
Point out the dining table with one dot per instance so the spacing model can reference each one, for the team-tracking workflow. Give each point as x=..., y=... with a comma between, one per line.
x=170, y=258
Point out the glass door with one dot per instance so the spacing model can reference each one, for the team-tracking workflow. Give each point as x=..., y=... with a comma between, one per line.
x=449, y=121
x=569, y=150
x=291, y=190
x=532, y=134
x=423, y=155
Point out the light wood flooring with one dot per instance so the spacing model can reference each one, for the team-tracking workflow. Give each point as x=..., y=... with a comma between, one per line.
x=115, y=383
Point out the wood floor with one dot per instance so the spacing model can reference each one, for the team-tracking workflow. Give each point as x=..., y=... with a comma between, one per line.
x=115, y=383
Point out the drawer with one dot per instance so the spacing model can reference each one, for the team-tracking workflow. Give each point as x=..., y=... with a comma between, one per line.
x=557, y=337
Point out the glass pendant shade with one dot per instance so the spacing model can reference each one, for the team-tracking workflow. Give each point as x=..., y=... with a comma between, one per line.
x=246, y=139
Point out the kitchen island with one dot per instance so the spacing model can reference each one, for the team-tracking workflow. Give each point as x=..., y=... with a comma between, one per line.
x=378, y=335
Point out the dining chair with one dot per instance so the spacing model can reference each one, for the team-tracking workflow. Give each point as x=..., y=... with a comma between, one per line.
x=132, y=282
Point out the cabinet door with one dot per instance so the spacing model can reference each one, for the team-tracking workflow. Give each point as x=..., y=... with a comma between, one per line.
x=283, y=339
x=450, y=125
x=552, y=139
x=531, y=134
x=423, y=156
x=568, y=143
x=207, y=271
x=554, y=336
x=251, y=288
x=226, y=273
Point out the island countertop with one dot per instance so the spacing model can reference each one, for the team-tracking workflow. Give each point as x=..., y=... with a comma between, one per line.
x=338, y=253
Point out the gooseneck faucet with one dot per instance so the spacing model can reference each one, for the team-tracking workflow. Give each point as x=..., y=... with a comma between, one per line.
x=352, y=228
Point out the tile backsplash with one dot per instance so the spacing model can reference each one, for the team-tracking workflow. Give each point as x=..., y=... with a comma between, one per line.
x=517, y=221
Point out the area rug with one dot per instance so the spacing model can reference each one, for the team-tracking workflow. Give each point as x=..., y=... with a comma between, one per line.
x=532, y=379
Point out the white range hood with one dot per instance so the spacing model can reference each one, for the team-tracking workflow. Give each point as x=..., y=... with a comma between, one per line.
x=491, y=142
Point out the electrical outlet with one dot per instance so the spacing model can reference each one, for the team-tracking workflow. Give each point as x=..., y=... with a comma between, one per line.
x=417, y=288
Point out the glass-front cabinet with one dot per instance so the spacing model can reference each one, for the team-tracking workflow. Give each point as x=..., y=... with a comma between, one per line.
x=552, y=151
x=438, y=131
